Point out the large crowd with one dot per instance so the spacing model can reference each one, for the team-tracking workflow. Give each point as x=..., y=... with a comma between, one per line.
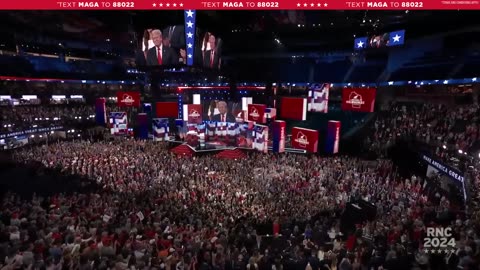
x=18, y=118
x=456, y=127
x=155, y=210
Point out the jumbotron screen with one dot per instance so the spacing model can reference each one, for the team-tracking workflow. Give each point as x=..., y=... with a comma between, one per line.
x=215, y=124
x=177, y=45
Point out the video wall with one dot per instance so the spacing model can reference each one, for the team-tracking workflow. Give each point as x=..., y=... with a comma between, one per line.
x=217, y=123
x=180, y=44
x=389, y=39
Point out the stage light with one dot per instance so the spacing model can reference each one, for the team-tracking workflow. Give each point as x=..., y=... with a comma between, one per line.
x=444, y=147
x=460, y=151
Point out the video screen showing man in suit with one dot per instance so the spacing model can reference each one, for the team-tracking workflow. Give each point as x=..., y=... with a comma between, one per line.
x=221, y=111
x=378, y=41
x=211, y=51
x=161, y=53
x=175, y=34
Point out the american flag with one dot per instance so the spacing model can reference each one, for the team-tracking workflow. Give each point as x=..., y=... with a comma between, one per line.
x=118, y=123
x=232, y=129
x=160, y=128
x=261, y=138
x=190, y=17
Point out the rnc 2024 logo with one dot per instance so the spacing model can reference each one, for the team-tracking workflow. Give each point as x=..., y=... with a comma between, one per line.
x=439, y=240
x=194, y=114
x=127, y=99
x=356, y=100
x=302, y=140
x=254, y=114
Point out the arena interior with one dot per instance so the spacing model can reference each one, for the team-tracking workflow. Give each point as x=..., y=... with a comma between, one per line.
x=225, y=140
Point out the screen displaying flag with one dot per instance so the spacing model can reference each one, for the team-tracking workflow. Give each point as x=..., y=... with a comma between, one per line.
x=270, y=114
x=190, y=16
x=260, y=141
x=333, y=137
x=118, y=123
x=100, y=111
x=293, y=108
x=397, y=38
x=360, y=43
x=160, y=127
x=358, y=99
x=318, y=98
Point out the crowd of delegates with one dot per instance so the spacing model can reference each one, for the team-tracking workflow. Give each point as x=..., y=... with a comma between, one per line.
x=154, y=210
x=17, y=118
x=457, y=127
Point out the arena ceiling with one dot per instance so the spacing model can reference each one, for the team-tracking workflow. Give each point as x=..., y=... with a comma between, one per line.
x=252, y=31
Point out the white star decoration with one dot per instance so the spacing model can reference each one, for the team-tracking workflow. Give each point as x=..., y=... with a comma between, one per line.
x=181, y=4
x=168, y=4
x=312, y=5
x=154, y=5
x=190, y=23
x=161, y=4
x=439, y=251
x=174, y=4
x=396, y=38
x=360, y=44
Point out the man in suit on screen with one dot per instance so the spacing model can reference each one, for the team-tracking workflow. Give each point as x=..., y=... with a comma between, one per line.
x=160, y=55
x=223, y=114
x=211, y=58
x=176, y=35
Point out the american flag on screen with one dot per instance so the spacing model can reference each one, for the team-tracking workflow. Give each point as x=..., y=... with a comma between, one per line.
x=232, y=129
x=211, y=128
x=190, y=16
x=118, y=123
x=160, y=129
x=261, y=138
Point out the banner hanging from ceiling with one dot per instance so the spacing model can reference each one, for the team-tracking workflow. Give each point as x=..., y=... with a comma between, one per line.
x=237, y=5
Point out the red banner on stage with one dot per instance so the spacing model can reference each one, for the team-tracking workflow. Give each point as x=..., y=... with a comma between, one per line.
x=128, y=99
x=305, y=139
x=358, y=99
x=238, y=5
x=194, y=113
x=256, y=113
x=166, y=109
